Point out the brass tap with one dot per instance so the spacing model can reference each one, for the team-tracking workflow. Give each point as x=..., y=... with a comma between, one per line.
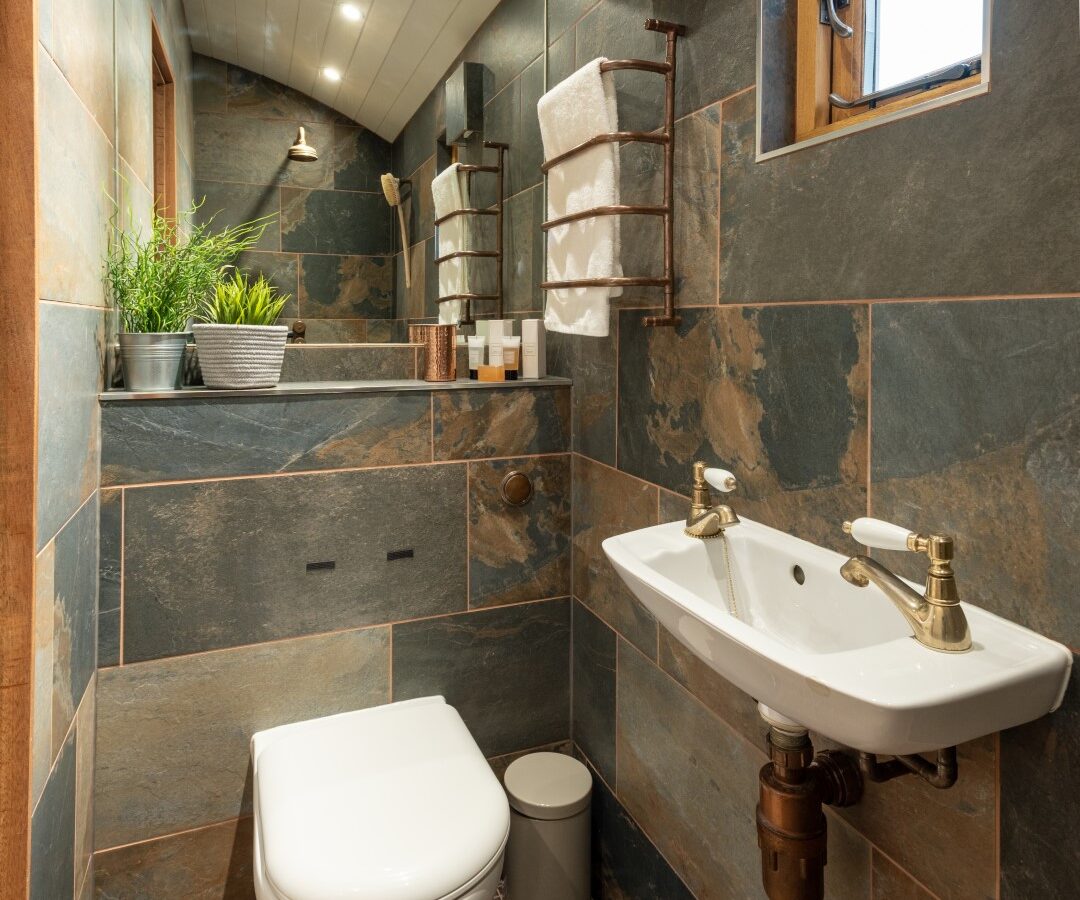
x=936, y=617
x=705, y=520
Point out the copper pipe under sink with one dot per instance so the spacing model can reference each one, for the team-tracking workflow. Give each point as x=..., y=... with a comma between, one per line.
x=792, y=831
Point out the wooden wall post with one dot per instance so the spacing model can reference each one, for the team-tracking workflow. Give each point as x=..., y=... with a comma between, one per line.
x=18, y=432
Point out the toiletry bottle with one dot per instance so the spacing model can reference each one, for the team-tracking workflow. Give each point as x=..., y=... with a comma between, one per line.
x=495, y=345
x=533, y=351
x=511, y=357
x=476, y=355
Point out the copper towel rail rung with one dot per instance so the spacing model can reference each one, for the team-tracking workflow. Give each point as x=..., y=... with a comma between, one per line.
x=642, y=65
x=605, y=211
x=457, y=254
x=622, y=281
x=468, y=296
x=649, y=137
x=466, y=212
x=664, y=136
x=469, y=169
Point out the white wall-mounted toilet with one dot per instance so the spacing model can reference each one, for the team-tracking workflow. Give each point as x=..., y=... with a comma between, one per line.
x=391, y=803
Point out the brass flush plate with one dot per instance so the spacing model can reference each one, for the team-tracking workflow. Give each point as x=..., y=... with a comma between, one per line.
x=516, y=489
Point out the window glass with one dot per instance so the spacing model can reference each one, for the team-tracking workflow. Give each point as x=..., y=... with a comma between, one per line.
x=906, y=39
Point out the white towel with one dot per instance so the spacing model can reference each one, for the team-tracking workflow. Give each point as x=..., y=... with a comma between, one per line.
x=450, y=191
x=575, y=110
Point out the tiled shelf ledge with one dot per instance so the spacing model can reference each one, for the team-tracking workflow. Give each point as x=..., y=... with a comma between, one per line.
x=322, y=426
x=304, y=388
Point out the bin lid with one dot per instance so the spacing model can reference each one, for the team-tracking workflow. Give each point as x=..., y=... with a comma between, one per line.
x=548, y=785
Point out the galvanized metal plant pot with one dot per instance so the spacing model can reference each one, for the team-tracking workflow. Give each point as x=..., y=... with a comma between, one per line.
x=152, y=362
x=241, y=356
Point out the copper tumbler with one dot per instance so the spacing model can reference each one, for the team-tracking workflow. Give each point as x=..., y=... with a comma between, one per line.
x=440, y=351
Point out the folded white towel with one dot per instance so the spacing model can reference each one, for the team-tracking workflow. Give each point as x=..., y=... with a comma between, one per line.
x=450, y=191
x=575, y=110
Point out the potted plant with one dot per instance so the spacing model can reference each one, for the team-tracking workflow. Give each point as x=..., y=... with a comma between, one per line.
x=158, y=281
x=239, y=345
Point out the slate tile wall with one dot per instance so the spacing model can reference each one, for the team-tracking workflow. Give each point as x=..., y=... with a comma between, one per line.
x=93, y=58
x=217, y=628
x=331, y=245
x=883, y=324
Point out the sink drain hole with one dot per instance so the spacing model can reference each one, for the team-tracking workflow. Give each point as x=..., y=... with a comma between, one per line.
x=798, y=574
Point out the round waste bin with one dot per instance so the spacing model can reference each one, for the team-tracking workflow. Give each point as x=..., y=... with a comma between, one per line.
x=548, y=854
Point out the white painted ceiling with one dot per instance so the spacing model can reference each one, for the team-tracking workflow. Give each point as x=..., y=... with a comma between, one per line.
x=389, y=60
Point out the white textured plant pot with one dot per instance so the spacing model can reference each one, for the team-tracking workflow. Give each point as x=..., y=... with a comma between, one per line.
x=241, y=356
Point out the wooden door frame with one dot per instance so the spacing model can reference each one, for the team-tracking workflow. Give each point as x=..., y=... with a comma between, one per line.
x=18, y=433
x=164, y=110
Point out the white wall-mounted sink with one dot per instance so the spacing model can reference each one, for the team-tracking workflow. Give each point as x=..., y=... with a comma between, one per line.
x=833, y=657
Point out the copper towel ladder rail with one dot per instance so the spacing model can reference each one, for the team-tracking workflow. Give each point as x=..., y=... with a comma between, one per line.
x=665, y=136
x=499, y=170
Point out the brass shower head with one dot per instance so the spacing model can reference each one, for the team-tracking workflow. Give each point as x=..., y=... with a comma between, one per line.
x=302, y=151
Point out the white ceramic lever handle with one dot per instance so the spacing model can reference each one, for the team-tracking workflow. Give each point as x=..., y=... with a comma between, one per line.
x=721, y=479
x=876, y=533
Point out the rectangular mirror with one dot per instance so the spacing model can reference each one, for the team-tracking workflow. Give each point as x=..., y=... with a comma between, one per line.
x=830, y=67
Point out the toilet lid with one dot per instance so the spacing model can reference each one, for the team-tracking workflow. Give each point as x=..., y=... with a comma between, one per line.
x=391, y=803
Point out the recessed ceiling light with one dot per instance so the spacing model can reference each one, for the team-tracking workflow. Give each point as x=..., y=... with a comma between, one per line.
x=351, y=12
x=331, y=74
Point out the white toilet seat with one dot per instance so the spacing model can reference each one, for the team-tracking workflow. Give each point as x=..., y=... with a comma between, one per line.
x=391, y=803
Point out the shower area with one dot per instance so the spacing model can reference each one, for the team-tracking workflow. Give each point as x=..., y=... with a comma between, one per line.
x=266, y=149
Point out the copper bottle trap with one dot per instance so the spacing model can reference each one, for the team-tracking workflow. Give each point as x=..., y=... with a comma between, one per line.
x=790, y=823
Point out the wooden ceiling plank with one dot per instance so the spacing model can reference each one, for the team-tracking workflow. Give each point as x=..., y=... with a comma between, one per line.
x=418, y=33
x=311, y=27
x=342, y=39
x=196, y=22
x=278, y=38
x=457, y=31
x=250, y=27
x=384, y=24
x=221, y=26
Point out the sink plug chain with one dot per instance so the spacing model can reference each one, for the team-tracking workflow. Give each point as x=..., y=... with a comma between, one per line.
x=733, y=604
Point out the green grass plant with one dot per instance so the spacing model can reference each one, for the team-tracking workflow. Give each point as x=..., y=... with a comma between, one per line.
x=237, y=301
x=160, y=280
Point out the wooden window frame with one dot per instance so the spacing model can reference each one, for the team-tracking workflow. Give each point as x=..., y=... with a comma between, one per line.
x=826, y=62
x=164, y=127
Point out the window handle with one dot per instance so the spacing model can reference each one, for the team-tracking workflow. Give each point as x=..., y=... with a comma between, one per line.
x=830, y=16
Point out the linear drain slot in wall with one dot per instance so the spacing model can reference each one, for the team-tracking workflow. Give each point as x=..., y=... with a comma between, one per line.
x=391, y=555
x=325, y=566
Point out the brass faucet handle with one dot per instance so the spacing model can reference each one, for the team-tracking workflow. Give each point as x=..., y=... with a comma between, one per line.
x=939, y=548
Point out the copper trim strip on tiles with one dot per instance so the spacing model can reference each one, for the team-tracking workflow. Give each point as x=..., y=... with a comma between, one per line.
x=337, y=631
x=250, y=476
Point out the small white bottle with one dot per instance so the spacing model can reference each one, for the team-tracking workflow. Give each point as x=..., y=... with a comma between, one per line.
x=533, y=350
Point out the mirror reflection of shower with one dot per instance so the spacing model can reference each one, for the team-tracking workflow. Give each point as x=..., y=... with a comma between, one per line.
x=391, y=186
x=302, y=151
